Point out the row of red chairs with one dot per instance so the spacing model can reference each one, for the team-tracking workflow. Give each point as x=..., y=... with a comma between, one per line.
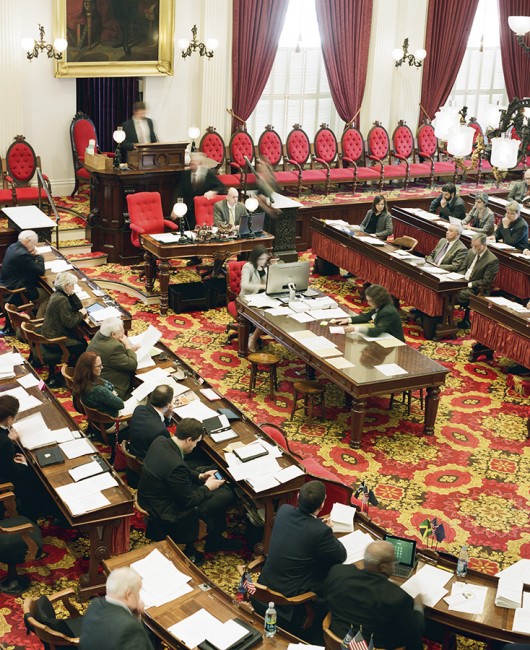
x=327, y=161
x=17, y=170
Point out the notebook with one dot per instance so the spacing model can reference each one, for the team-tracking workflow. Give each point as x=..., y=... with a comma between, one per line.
x=49, y=456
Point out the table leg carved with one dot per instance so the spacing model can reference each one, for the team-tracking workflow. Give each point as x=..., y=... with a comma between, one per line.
x=150, y=271
x=358, y=411
x=163, y=272
x=242, y=335
x=100, y=539
x=431, y=409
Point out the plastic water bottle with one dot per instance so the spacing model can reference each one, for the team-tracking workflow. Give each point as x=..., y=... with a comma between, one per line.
x=270, y=621
x=463, y=561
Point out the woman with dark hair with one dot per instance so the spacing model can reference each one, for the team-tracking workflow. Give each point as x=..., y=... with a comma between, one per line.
x=383, y=315
x=378, y=221
x=254, y=280
x=480, y=217
x=91, y=389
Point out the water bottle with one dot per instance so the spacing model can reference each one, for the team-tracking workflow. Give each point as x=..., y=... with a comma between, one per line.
x=463, y=561
x=270, y=621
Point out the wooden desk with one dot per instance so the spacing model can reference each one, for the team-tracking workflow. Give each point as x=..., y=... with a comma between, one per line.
x=363, y=380
x=219, y=250
x=498, y=207
x=514, y=270
x=88, y=327
x=107, y=528
x=205, y=594
x=433, y=295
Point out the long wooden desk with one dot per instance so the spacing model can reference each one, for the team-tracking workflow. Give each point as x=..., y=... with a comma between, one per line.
x=205, y=594
x=107, y=528
x=433, y=295
x=514, y=271
x=498, y=207
x=219, y=250
x=88, y=327
x=363, y=380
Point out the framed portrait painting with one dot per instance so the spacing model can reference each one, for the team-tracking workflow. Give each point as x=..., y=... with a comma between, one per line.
x=115, y=38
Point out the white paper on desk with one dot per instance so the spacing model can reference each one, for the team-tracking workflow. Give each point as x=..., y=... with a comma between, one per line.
x=158, y=375
x=195, y=409
x=263, y=483
x=336, y=329
x=146, y=388
x=254, y=468
x=77, y=448
x=102, y=314
x=129, y=406
x=302, y=317
x=443, y=223
x=146, y=340
x=327, y=314
x=384, y=340
x=26, y=401
x=317, y=343
x=341, y=517
x=468, y=233
x=499, y=300
x=429, y=581
x=63, y=435
x=328, y=352
x=43, y=249
x=373, y=240
x=10, y=359
x=355, y=544
x=500, y=245
x=521, y=620
x=261, y=300
x=288, y=473
x=224, y=635
x=280, y=311
x=221, y=436
x=57, y=266
x=82, y=295
x=515, y=306
x=453, y=276
x=33, y=432
x=435, y=270
x=272, y=449
x=419, y=212
x=302, y=335
x=391, y=369
x=146, y=362
x=28, y=381
x=85, y=503
x=210, y=394
x=167, y=237
x=340, y=363
x=192, y=630
x=162, y=582
x=475, y=598
x=509, y=590
x=84, y=471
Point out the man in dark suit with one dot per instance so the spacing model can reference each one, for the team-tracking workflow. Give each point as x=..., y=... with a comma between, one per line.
x=449, y=203
x=450, y=252
x=229, y=210
x=513, y=229
x=520, y=190
x=113, y=622
x=301, y=552
x=480, y=270
x=176, y=496
x=365, y=597
x=150, y=421
x=139, y=129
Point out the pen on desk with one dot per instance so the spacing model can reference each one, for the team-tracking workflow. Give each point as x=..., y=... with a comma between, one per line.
x=444, y=568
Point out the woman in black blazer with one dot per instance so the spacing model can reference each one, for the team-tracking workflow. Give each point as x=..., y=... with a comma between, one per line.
x=384, y=316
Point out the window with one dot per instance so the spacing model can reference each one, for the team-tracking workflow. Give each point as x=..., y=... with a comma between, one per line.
x=297, y=90
x=480, y=80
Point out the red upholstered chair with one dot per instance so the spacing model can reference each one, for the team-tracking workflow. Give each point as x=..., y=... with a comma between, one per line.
x=7, y=195
x=428, y=149
x=233, y=288
x=378, y=150
x=147, y=218
x=326, y=151
x=21, y=167
x=204, y=209
x=82, y=129
x=241, y=146
x=298, y=150
x=403, y=146
x=270, y=148
x=352, y=157
x=212, y=145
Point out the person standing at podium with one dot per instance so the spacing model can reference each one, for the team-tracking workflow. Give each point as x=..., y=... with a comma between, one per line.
x=138, y=130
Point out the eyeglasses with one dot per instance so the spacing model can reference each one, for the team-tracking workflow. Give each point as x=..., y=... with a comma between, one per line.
x=98, y=365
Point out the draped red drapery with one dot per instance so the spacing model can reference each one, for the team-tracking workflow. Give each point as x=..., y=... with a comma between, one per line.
x=515, y=61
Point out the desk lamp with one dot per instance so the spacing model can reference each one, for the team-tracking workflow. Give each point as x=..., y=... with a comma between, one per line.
x=251, y=204
x=180, y=209
x=118, y=136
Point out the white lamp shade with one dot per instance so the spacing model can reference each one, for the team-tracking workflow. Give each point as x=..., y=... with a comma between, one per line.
x=504, y=152
x=490, y=116
x=420, y=54
x=251, y=204
x=27, y=44
x=180, y=209
x=183, y=43
x=397, y=53
x=118, y=135
x=194, y=132
x=60, y=44
x=212, y=44
x=444, y=120
x=460, y=140
x=519, y=24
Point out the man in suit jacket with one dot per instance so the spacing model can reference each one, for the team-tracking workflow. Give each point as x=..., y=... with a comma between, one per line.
x=118, y=355
x=113, y=622
x=480, y=270
x=150, y=421
x=139, y=129
x=450, y=252
x=365, y=597
x=177, y=496
x=513, y=229
x=449, y=203
x=520, y=190
x=229, y=210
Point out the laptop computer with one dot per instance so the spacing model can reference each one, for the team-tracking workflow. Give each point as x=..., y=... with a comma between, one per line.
x=405, y=551
x=258, y=219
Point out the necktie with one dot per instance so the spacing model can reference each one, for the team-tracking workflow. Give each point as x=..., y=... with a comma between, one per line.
x=231, y=217
x=194, y=180
x=441, y=253
x=142, y=131
x=470, y=270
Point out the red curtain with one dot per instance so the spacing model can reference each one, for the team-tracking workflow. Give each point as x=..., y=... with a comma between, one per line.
x=257, y=25
x=345, y=35
x=515, y=61
x=449, y=23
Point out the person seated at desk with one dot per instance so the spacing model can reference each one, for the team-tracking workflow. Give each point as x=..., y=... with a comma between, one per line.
x=94, y=391
x=383, y=314
x=302, y=550
x=450, y=253
x=229, y=210
x=176, y=497
x=449, y=203
x=64, y=312
x=366, y=598
x=254, y=280
x=378, y=221
x=114, y=621
x=480, y=217
x=480, y=270
x=520, y=190
x=118, y=355
x=513, y=229
x=151, y=420
x=139, y=129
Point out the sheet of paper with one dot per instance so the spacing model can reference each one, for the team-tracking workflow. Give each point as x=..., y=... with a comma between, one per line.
x=435, y=270
x=314, y=343
x=159, y=375
x=223, y=435
x=129, y=406
x=428, y=580
x=263, y=483
x=167, y=237
x=146, y=340
x=302, y=317
x=328, y=352
x=43, y=249
x=86, y=470
x=77, y=448
x=254, y=468
x=64, y=435
x=355, y=544
x=26, y=400
x=384, y=340
x=146, y=362
x=225, y=635
x=162, y=582
x=288, y=473
x=28, y=381
x=280, y=311
x=342, y=514
x=261, y=300
x=454, y=276
x=192, y=630
x=341, y=363
x=85, y=503
x=391, y=369
x=521, y=620
x=336, y=329
x=57, y=266
x=195, y=409
x=500, y=245
x=475, y=597
x=327, y=314
x=10, y=359
x=210, y=394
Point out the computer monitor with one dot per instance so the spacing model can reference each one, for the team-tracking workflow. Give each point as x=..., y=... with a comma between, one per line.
x=258, y=219
x=405, y=552
x=279, y=276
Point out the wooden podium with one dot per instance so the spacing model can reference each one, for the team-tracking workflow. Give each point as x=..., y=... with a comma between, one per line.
x=157, y=155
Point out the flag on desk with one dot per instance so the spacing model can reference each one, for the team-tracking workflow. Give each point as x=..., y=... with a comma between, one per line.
x=425, y=528
x=438, y=530
x=358, y=642
x=367, y=495
x=248, y=583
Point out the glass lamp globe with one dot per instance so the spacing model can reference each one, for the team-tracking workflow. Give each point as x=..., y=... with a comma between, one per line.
x=194, y=132
x=397, y=53
x=420, y=54
x=180, y=209
x=251, y=204
x=504, y=152
x=118, y=135
x=460, y=141
x=519, y=24
x=60, y=44
x=212, y=44
x=183, y=43
x=27, y=44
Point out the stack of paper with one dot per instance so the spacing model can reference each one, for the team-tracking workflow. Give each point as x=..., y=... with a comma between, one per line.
x=102, y=314
x=203, y=626
x=162, y=582
x=430, y=582
x=8, y=361
x=77, y=448
x=88, y=469
x=57, y=266
x=341, y=517
x=86, y=495
x=147, y=340
x=167, y=237
x=521, y=617
x=467, y=598
x=26, y=400
x=500, y=245
x=34, y=433
x=195, y=409
x=373, y=240
x=262, y=300
x=355, y=544
x=385, y=340
x=511, y=582
x=391, y=369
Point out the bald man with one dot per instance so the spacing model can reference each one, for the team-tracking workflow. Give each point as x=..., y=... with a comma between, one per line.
x=229, y=210
x=365, y=597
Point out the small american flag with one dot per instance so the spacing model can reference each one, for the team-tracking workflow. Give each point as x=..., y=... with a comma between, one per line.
x=358, y=642
x=248, y=584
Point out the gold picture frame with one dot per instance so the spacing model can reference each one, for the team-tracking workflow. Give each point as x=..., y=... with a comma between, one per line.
x=136, y=40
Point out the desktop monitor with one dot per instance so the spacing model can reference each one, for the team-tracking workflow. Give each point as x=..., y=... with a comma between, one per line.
x=279, y=276
x=258, y=220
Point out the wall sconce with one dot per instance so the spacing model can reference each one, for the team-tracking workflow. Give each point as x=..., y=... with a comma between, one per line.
x=445, y=119
x=118, y=136
x=193, y=133
x=520, y=25
x=188, y=47
x=34, y=48
x=402, y=55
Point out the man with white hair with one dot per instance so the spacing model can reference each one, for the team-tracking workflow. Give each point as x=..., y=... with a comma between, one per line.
x=22, y=267
x=450, y=253
x=114, y=622
x=118, y=355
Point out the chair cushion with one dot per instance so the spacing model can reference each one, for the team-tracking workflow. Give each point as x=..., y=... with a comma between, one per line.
x=365, y=173
x=312, y=175
x=45, y=614
x=326, y=145
x=232, y=309
x=83, y=173
x=441, y=167
x=395, y=171
x=315, y=468
x=241, y=145
x=341, y=174
x=403, y=141
x=213, y=146
x=270, y=147
x=29, y=194
x=230, y=180
x=420, y=169
x=286, y=177
x=6, y=196
x=13, y=548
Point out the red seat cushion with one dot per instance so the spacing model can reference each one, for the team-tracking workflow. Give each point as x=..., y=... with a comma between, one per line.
x=444, y=167
x=286, y=177
x=341, y=174
x=232, y=309
x=395, y=171
x=420, y=169
x=314, y=467
x=230, y=180
x=367, y=173
x=314, y=175
x=6, y=196
x=29, y=194
x=83, y=173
